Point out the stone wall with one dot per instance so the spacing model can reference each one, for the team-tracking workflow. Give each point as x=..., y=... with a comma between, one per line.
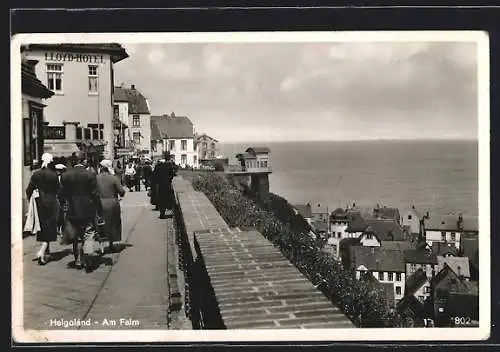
x=237, y=279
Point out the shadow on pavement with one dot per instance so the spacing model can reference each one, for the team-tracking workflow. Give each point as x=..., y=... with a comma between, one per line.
x=57, y=256
x=118, y=248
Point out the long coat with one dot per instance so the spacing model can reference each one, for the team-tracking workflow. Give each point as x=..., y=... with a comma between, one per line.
x=164, y=173
x=79, y=190
x=110, y=188
x=47, y=183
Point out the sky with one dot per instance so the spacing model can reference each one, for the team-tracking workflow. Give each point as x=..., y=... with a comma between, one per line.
x=239, y=92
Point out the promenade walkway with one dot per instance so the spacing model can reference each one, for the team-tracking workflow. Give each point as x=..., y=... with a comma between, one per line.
x=129, y=289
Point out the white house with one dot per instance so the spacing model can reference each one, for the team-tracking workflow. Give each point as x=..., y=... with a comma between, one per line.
x=174, y=134
x=386, y=265
x=448, y=228
x=81, y=110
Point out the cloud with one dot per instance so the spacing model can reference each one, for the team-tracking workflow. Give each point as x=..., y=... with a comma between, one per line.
x=419, y=89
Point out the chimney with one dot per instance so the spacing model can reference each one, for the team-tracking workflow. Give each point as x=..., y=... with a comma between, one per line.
x=413, y=207
x=132, y=87
x=354, y=205
x=460, y=222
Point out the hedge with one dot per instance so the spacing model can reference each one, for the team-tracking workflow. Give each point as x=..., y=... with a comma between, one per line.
x=277, y=221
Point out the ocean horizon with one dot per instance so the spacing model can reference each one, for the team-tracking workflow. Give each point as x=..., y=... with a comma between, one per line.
x=439, y=176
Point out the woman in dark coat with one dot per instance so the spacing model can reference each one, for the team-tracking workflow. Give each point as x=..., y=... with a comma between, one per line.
x=47, y=183
x=166, y=172
x=110, y=188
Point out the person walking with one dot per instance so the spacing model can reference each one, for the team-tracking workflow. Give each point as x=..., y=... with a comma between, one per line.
x=47, y=185
x=119, y=171
x=130, y=174
x=60, y=169
x=154, y=185
x=110, y=189
x=165, y=195
x=146, y=174
x=138, y=176
x=79, y=190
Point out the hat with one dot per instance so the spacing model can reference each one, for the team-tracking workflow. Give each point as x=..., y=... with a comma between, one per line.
x=108, y=164
x=60, y=167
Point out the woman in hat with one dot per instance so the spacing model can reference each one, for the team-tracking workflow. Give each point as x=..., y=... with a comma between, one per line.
x=110, y=189
x=46, y=182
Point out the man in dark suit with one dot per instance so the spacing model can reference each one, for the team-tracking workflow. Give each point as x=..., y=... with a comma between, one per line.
x=165, y=172
x=79, y=191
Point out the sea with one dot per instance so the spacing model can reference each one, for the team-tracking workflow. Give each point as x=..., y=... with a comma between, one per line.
x=435, y=176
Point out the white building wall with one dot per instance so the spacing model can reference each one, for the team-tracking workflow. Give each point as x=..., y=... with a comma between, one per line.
x=178, y=152
x=144, y=129
x=75, y=102
x=435, y=236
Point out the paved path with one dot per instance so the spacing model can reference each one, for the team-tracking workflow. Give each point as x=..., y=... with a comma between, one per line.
x=127, y=291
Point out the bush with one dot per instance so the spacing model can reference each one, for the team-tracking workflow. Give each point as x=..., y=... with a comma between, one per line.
x=277, y=221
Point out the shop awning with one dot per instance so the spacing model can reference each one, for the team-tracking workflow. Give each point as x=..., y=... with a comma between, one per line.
x=61, y=149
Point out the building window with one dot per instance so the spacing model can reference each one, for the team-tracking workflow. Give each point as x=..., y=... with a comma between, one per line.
x=398, y=290
x=54, y=77
x=195, y=159
x=212, y=145
x=339, y=234
x=136, y=121
x=421, y=298
x=452, y=235
x=409, y=217
x=204, y=145
x=427, y=289
x=443, y=236
x=95, y=134
x=398, y=276
x=116, y=112
x=93, y=77
x=390, y=276
x=183, y=159
x=136, y=136
x=183, y=144
x=381, y=275
x=171, y=145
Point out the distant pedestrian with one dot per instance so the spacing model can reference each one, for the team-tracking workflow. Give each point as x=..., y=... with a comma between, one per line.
x=119, y=171
x=79, y=190
x=147, y=171
x=110, y=189
x=130, y=174
x=46, y=184
x=138, y=176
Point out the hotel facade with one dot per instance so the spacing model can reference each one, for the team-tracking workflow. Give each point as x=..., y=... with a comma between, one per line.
x=80, y=115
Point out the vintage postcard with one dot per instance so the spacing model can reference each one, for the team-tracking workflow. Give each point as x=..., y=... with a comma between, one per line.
x=298, y=186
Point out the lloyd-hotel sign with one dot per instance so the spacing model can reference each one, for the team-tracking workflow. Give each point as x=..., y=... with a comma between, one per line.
x=74, y=57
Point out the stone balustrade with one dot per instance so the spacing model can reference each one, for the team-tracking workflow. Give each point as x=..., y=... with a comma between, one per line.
x=237, y=279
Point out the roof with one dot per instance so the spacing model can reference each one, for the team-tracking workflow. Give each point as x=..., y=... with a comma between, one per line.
x=459, y=265
x=303, y=210
x=419, y=256
x=399, y=245
x=378, y=259
x=412, y=211
x=387, y=213
x=119, y=95
x=450, y=223
x=439, y=248
x=199, y=137
x=245, y=156
x=116, y=51
x=258, y=150
x=339, y=212
x=172, y=127
x=30, y=84
x=385, y=230
x=137, y=103
x=415, y=281
x=320, y=226
x=319, y=209
x=356, y=222
x=350, y=241
x=413, y=304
